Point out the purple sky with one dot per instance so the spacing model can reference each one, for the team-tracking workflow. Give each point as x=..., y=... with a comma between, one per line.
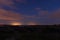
x=30, y=11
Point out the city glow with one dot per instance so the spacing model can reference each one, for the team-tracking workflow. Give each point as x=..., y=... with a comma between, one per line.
x=15, y=23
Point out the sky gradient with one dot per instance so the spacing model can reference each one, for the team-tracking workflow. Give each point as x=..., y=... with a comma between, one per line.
x=41, y=12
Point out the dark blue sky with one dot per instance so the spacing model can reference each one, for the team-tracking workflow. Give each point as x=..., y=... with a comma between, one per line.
x=31, y=5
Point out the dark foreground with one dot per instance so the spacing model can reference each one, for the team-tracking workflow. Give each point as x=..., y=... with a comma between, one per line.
x=42, y=32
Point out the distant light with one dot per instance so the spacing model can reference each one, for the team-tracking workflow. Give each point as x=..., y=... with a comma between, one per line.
x=31, y=23
x=15, y=23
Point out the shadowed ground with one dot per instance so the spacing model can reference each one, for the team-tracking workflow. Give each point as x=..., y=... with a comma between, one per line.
x=41, y=32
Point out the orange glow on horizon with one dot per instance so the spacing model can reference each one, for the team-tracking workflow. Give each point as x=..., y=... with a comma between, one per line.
x=15, y=23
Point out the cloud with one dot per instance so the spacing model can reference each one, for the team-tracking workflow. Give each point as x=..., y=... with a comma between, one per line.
x=41, y=12
x=33, y=16
x=9, y=15
x=6, y=2
x=10, y=3
x=55, y=14
x=21, y=1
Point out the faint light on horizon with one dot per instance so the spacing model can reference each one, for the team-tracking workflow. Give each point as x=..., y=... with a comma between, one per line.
x=31, y=23
x=15, y=23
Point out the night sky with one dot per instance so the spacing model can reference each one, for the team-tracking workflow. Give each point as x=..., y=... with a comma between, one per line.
x=40, y=12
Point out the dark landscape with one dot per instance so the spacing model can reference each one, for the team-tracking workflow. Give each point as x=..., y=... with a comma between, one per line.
x=30, y=32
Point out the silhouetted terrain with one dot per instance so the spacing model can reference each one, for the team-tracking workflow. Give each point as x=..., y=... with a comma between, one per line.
x=25, y=32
